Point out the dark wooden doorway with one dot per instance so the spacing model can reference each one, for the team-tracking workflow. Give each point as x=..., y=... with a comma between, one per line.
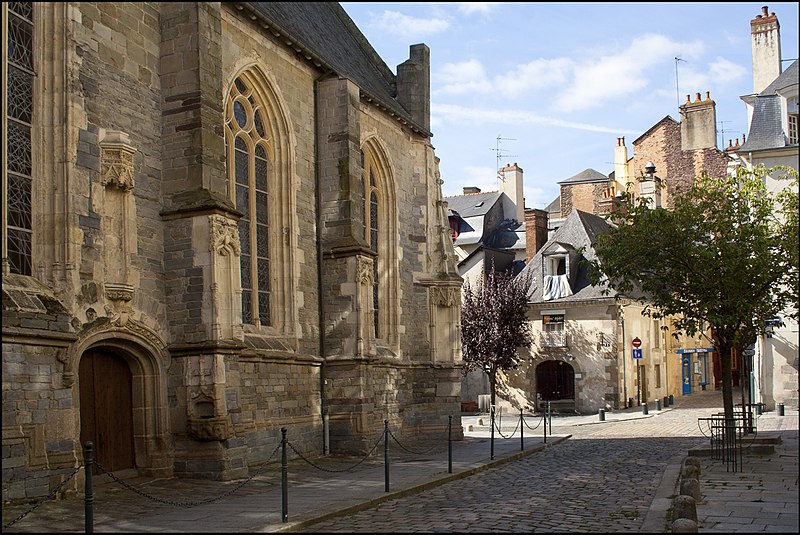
x=555, y=380
x=107, y=408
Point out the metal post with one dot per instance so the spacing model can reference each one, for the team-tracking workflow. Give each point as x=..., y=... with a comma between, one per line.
x=658, y=404
x=644, y=408
x=550, y=418
x=521, y=431
x=386, y=454
x=88, y=498
x=602, y=414
x=326, y=430
x=284, y=479
x=450, y=444
x=491, y=423
x=544, y=420
x=781, y=409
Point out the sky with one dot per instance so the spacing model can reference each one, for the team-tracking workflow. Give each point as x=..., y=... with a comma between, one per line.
x=551, y=86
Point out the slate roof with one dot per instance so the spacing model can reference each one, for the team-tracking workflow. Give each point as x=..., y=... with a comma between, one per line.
x=766, y=129
x=587, y=175
x=473, y=204
x=579, y=230
x=325, y=33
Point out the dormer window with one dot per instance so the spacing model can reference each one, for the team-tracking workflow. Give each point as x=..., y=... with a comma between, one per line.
x=556, y=271
x=791, y=130
x=557, y=265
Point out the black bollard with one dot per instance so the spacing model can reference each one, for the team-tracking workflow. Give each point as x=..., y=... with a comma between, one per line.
x=666, y=402
x=386, y=454
x=671, y=400
x=88, y=499
x=781, y=410
x=284, y=478
x=644, y=408
x=491, y=440
x=521, y=431
x=602, y=414
x=450, y=444
x=658, y=404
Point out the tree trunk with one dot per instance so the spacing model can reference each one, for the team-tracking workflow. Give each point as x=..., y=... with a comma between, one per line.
x=727, y=377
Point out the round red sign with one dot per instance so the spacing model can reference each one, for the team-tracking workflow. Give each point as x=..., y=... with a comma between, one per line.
x=636, y=342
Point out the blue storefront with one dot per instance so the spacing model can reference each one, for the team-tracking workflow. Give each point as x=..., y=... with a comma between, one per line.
x=694, y=369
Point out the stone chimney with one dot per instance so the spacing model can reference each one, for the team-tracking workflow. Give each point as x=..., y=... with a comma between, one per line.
x=698, y=123
x=414, y=85
x=766, y=35
x=510, y=182
x=621, y=174
x=471, y=189
x=535, y=231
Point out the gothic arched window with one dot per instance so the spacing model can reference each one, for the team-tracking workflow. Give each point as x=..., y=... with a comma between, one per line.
x=371, y=230
x=18, y=169
x=249, y=166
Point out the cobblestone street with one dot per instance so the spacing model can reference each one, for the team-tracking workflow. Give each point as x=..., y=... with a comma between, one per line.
x=601, y=480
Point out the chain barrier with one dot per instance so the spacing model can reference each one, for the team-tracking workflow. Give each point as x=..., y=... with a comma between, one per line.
x=429, y=450
x=501, y=433
x=331, y=469
x=189, y=503
x=46, y=498
x=537, y=425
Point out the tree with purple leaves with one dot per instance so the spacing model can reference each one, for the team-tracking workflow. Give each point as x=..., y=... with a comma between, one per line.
x=494, y=323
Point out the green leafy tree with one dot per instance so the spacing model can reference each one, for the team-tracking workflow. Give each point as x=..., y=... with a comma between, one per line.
x=725, y=258
x=494, y=323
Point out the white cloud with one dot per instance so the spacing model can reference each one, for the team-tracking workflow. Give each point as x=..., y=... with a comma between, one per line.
x=617, y=75
x=726, y=72
x=484, y=178
x=449, y=113
x=537, y=74
x=463, y=77
x=468, y=8
x=396, y=23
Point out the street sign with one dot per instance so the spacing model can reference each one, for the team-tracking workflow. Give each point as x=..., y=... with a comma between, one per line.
x=636, y=342
x=637, y=353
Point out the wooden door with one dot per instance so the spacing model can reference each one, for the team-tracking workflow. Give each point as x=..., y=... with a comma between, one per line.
x=107, y=408
x=555, y=380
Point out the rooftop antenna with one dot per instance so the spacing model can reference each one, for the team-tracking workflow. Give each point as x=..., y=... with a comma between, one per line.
x=677, y=91
x=498, y=151
x=722, y=134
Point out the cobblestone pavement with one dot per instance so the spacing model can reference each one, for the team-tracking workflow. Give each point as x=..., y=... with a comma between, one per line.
x=601, y=480
x=616, y=475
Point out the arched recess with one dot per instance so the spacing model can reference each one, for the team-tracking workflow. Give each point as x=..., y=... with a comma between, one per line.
x=378, y=178
x=555, y=381
x=148, y=360
x=268, y=132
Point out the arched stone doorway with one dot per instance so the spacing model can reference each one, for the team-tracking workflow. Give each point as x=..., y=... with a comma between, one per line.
x=555, y=382
x=134, y=360
x=106, y=408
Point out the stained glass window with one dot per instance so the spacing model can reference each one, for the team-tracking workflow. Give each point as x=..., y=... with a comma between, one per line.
x=19, y=149
x=371, y=231
x=248, y=180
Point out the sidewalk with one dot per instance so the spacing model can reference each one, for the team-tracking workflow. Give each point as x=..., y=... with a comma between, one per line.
x=314, y=494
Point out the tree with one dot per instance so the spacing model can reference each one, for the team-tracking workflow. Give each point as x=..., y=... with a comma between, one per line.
x=725, y=258
x=494, y=323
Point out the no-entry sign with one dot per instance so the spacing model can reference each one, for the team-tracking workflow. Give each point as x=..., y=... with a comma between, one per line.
x=636, y=342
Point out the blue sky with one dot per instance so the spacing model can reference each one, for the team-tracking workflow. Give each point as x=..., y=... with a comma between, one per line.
x=560, y=82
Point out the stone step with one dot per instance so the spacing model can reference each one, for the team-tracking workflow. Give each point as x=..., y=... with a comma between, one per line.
x=751, y=449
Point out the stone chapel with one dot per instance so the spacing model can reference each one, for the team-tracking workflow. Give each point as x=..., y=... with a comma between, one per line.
x=220, y=219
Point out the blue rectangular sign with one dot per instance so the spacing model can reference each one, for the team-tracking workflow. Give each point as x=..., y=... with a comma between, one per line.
x=637, y=353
